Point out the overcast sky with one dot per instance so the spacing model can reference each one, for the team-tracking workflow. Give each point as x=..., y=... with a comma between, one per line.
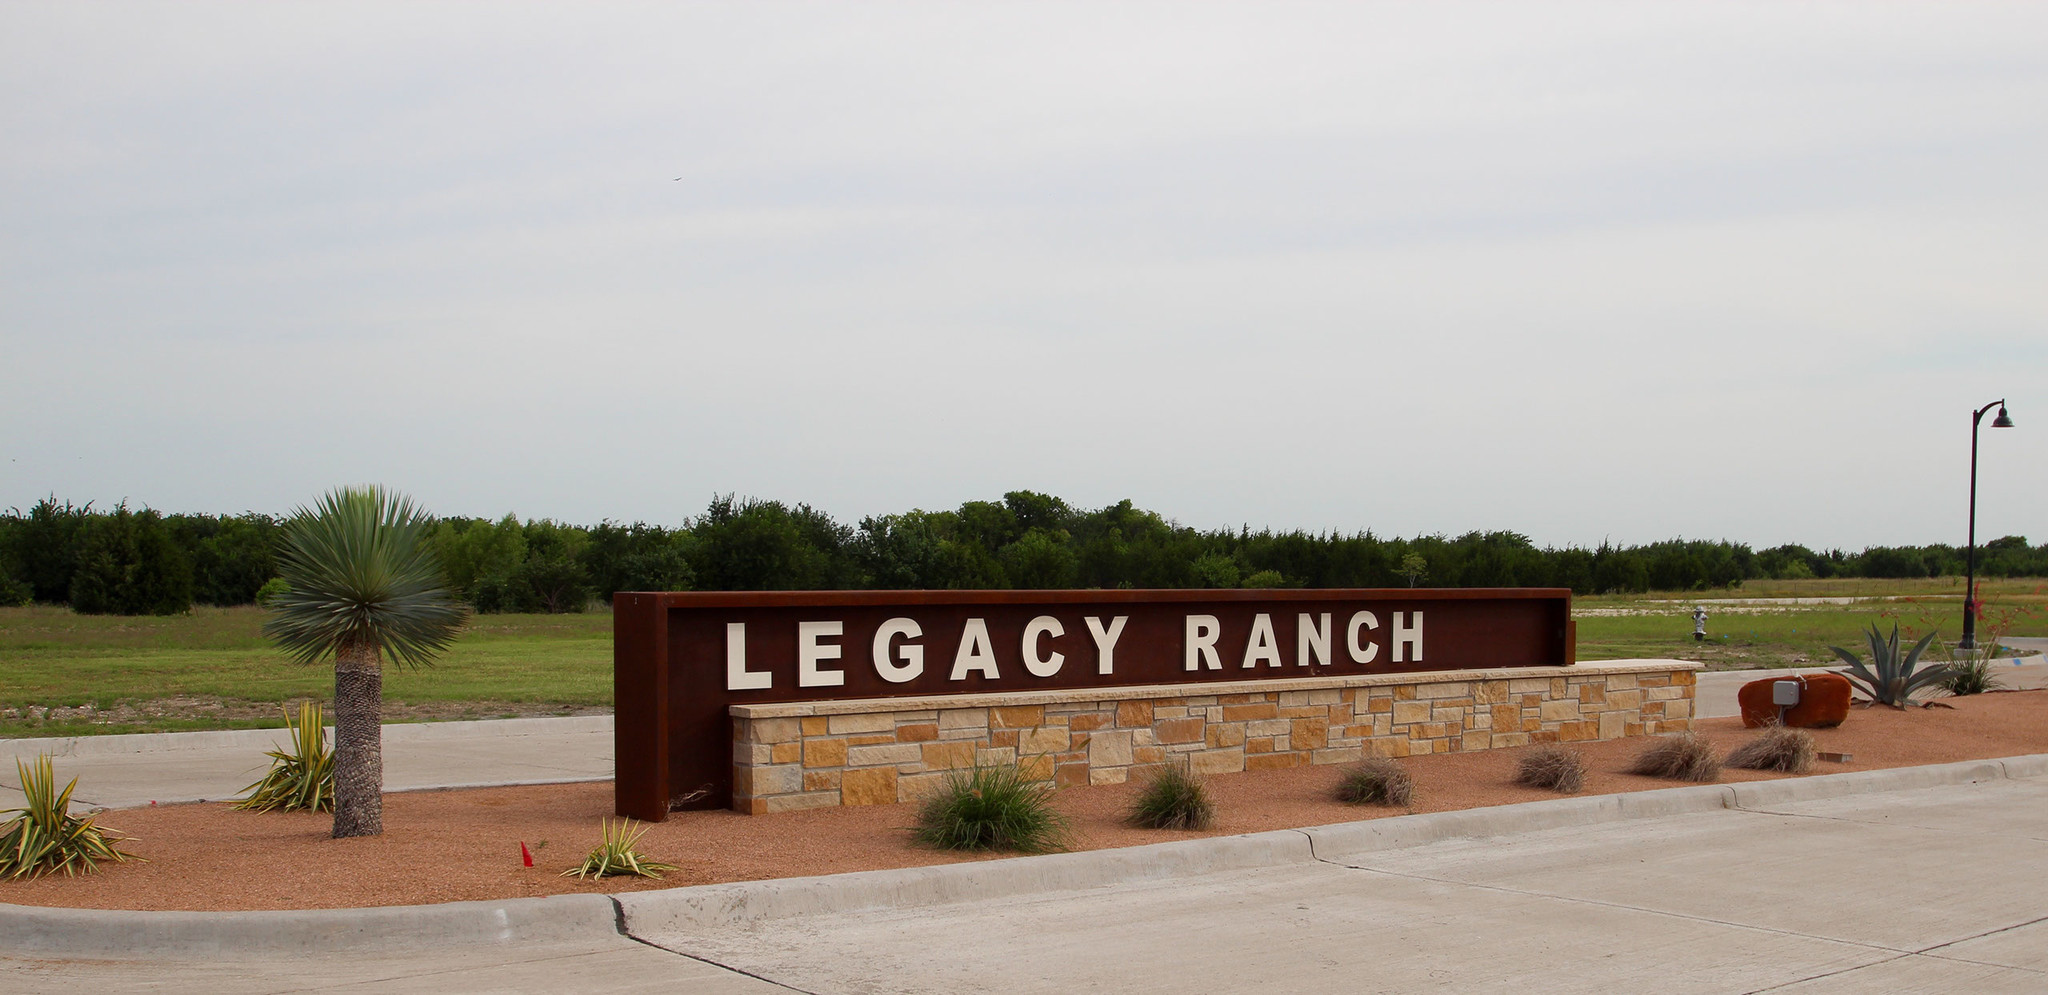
x=1625, y=271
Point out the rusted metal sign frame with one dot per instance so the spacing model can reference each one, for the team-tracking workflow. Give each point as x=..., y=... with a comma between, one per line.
x=680, y=659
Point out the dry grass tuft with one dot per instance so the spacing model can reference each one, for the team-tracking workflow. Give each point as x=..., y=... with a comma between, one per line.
x=1777, y=748
x=1684, y=757
x=1557, y=768
x=1376, y=781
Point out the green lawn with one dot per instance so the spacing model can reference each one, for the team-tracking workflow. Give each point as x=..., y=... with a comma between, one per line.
x=212, y=669
x=1746, y=636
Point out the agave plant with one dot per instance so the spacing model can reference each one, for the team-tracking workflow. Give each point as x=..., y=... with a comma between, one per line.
x=301, y=776
x=1891, y=679
x=615, y=856
x=44, y=836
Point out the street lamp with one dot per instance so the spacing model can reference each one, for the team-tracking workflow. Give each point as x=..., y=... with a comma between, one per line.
x=1969, y=640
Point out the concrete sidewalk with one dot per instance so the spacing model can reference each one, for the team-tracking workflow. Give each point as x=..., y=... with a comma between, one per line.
x=168, y=768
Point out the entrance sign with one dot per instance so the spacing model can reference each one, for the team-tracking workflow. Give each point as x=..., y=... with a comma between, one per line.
x=680, y=660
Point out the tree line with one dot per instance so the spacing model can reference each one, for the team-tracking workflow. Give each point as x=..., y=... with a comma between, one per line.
x=126, y=561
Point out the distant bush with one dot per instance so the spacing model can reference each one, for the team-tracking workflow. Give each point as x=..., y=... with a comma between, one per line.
x=1556, y=768
x=14, y=593
x=271, y=588
x=993, y=808
x=1175, y=798
x=1684, y=757
x=1376, y=781
x=128, y=565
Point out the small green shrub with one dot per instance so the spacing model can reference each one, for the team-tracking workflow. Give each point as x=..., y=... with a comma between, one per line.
x=993, y=808
x=616, y=857
x=301, y=776
x=1376, y=781
x=1175, y=798
x=271, y=589
x=1556, y=768
x=44, y=836
x=1777, y=748
x=1684, y=757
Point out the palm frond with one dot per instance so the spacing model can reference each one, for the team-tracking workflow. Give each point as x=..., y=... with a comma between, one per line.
x=360, y=573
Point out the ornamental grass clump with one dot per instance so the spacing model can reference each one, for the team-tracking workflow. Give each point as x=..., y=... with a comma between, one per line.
x=44, y=836
x=1973, y=676
x=616, y=856
x=1684, y=757
x=993, y=808
x=1376, y=781
x=1556, y=768
x=1175, y=798
x=1777, y=748
x=301, y=776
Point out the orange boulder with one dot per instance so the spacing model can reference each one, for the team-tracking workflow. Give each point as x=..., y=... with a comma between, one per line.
x=1823, y=702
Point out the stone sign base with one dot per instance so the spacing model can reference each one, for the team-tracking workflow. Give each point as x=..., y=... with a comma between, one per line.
x=877, y=752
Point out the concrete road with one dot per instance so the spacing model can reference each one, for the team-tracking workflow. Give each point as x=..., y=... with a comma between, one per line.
x=1933, y=890
x=1927, y=890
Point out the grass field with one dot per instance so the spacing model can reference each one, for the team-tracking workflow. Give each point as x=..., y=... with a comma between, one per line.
x=1743, y=636
x=212, y=669
x=63, y=674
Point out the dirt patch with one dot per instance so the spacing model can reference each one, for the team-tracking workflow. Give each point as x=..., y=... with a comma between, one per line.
x=444, y=846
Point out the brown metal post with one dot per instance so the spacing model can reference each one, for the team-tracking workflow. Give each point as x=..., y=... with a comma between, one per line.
x=640, y=730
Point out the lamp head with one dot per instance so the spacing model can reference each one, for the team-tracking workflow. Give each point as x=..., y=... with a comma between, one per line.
x=2003, y=420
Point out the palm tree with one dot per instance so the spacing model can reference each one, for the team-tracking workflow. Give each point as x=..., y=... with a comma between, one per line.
x=363, y=585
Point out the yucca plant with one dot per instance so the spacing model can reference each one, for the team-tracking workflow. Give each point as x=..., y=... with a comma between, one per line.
x=301, y=776
x=44, y=836
x=993, y=808
x=616, y=857
x=1175, y=798
x=1376, y=781
x=1891, y=679
x=363, y=585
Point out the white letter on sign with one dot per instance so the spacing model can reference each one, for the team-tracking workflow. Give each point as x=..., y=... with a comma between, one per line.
x=1202, y=633
x=976, y=652
x=1261, y=645
x=737, y=676
x=1362, y=652
x=1040, y=627
x=1408, y=635
x=1105, y=641
x=1312, y=635
x=911, y=653
x=810, y=652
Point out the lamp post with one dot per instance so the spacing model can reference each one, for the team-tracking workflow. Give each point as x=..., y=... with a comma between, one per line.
x=1969, y=640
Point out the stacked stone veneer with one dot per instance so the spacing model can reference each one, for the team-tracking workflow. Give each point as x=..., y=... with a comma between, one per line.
x=872, y=752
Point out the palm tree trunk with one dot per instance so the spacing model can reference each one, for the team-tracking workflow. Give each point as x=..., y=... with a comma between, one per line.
x=358, y=741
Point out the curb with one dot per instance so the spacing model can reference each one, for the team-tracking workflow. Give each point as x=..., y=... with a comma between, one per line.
x=721, y=905
x=37, y=931
x=646, y=912
x=594, y=919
